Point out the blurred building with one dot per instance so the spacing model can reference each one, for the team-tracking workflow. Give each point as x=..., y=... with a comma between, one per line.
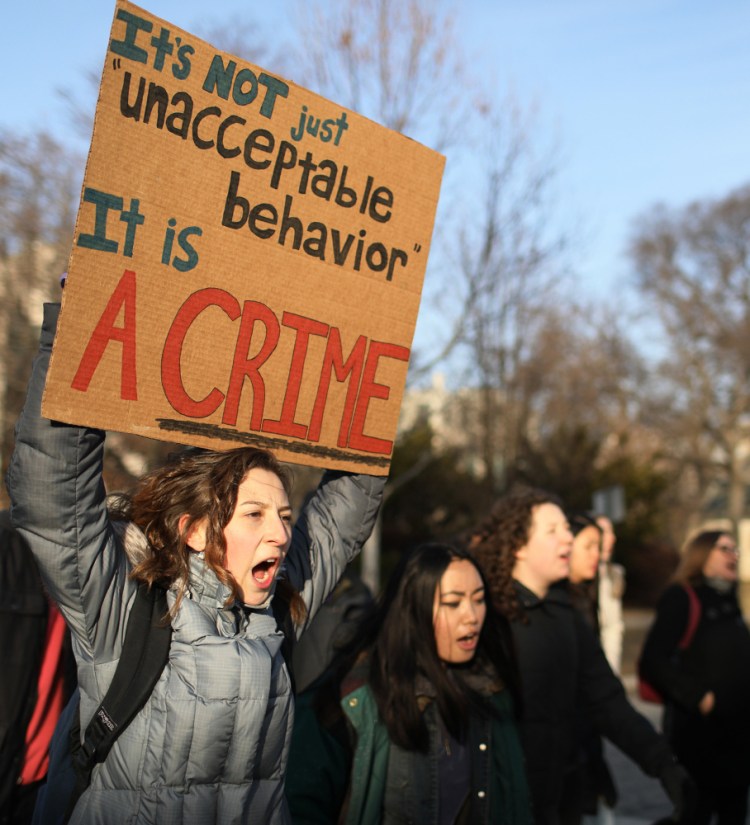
x=453, y=419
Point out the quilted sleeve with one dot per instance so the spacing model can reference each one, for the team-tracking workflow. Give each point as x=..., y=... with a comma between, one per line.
x=330, y=532
x=58, y=504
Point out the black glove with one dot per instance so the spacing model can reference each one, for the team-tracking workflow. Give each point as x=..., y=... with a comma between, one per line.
x=680, y=789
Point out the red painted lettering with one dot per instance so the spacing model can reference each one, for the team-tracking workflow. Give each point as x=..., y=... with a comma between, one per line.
x=122, y=298
x=245, y=367
x=369, y=389
x=334, y=360
x=171, y=372
x=305, y=327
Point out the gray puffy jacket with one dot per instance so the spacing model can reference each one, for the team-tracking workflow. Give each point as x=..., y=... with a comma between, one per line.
x=211, y=744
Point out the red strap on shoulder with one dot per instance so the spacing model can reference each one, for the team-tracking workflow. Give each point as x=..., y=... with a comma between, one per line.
x=694, y=617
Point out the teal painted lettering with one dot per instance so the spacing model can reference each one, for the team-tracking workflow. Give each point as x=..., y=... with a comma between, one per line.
x=166, y=252
x=297, y=134
x=274, y=88
x=182, y=71
x=313, y=124
x=326, y=130
x=191, y=259
x=219, y=77
x=133, y=218
x=126, y=47
x=163, y=46
x=103, y=203
x=343, y=126
x=243, y=96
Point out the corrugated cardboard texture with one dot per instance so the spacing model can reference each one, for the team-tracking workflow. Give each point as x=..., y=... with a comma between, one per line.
x=248, y=259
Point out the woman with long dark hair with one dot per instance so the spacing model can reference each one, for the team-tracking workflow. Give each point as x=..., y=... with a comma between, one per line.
x=706, y=685
x=417, y=721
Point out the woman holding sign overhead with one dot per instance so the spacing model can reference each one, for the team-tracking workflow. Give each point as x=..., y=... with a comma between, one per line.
x=214, y=529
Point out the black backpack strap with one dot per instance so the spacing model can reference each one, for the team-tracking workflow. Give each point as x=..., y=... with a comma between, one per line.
x=144, y=654
x=283, y=616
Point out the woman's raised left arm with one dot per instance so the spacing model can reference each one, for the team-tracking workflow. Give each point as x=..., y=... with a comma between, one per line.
x=330, y=532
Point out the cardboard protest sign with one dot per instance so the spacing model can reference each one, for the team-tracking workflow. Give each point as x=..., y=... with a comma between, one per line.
x=248, y=259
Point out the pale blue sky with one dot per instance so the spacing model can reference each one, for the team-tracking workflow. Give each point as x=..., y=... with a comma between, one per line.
x=649, y=97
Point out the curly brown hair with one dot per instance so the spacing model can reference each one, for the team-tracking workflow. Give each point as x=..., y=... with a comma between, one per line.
x=202, y=484
x=497, y=539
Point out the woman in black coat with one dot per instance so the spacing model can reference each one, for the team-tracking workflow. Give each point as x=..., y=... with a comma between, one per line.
x=524, y=547
x=706, y=686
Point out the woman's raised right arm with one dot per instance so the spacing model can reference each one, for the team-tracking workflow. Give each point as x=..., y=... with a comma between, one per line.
x=59, y=505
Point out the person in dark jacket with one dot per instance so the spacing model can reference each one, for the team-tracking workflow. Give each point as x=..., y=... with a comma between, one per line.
x=706, y=687
x=329, y=631
x=37, y=676
x=415, y=723
x=594, y=792
x=524, y=547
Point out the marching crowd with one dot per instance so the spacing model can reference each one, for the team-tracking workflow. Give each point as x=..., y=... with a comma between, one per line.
x=477, y=688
